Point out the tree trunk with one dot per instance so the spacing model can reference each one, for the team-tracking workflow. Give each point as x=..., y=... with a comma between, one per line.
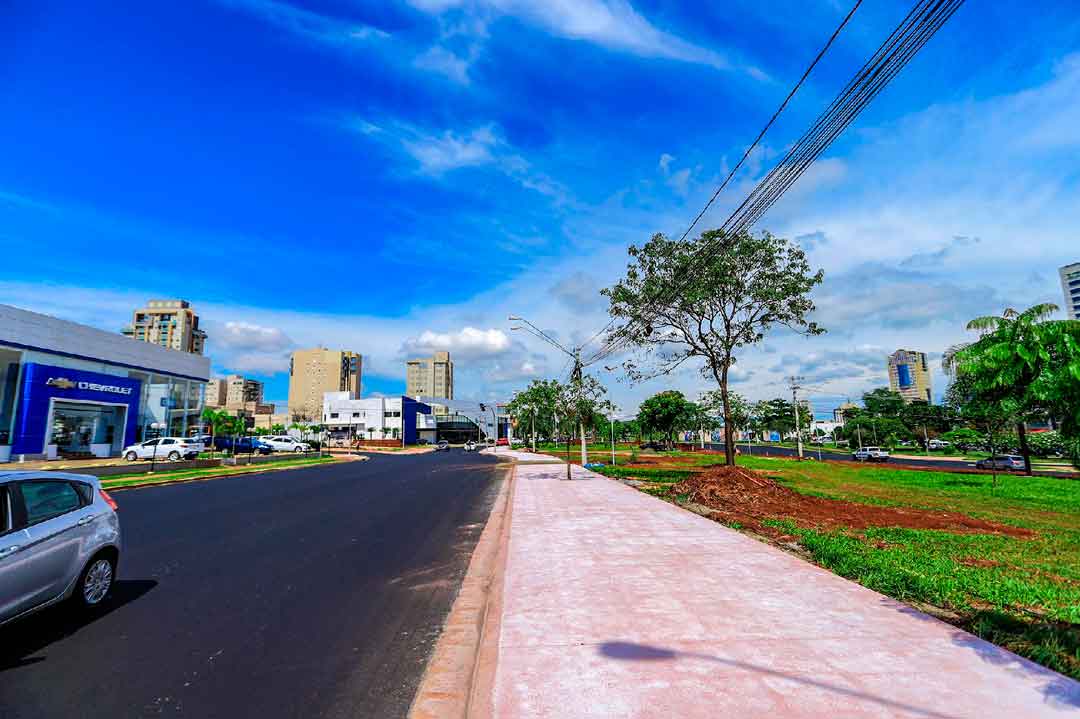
x=1025, y=450
x=584, y=451
x=729, y=431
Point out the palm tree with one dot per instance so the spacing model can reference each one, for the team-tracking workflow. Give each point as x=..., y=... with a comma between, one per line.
x=1023, y=364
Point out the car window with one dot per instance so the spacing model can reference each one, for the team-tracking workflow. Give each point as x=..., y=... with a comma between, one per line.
x=47, y=499
x=168, y=441
x=151, y=443
x=5, y=510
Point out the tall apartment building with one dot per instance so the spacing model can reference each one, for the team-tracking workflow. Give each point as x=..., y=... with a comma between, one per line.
x=239, y=396
x=430, y=376
x=909, y=376
x=1070, y=285
x=168, y=323
x=216, y=392
x=241, y=390
x=317, y=371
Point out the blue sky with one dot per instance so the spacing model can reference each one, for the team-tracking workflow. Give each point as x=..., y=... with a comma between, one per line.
x=397, y=177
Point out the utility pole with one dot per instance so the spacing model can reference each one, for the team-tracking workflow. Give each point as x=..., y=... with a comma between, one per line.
x=795, y=387
x=576, y=382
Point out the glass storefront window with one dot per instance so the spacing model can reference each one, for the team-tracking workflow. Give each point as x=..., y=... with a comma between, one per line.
x=9, y=386
x=178, y=408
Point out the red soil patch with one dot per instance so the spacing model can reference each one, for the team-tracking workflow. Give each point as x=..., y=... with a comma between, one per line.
x=735, y=494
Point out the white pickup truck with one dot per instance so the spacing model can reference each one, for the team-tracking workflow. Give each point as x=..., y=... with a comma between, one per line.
x=870, y=454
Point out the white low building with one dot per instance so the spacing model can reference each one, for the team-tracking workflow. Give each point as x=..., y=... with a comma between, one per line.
x=377, y=418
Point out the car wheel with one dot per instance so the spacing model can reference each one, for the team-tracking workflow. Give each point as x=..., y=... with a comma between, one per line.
x=95, y=582
x=299, y=449
x=131, y=456
x=174, y=456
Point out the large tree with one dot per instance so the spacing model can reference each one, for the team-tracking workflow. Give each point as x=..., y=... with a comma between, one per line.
x=708, y=297
x=1024, y=364
x=664, y=412
x=535, y=407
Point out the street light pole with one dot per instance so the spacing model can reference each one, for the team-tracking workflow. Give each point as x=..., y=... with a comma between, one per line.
x=613, y=440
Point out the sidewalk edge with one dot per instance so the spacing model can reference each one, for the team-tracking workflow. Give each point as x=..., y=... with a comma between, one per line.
x=460, y=673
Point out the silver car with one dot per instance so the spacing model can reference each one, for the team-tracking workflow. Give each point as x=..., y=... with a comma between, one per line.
x=59, y=539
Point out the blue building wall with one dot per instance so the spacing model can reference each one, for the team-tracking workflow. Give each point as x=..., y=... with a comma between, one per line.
x=409, y=408
x=41, y=383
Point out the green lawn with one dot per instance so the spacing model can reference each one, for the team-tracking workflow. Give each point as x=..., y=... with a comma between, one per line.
x=121, y=481
x=1023, y=594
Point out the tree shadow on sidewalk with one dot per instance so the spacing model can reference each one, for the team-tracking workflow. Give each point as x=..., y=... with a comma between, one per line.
x=629, y=651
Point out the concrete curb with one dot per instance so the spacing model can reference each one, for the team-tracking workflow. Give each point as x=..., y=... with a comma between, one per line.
x=460, y=674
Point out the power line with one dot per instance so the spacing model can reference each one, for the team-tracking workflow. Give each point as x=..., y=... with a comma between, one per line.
x=921, y=23
x=754, y=144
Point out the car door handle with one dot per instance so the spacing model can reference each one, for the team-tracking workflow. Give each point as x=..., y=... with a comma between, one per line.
x=86, y=520
x=9, y=551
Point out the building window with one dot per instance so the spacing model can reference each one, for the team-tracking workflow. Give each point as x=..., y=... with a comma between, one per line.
x=333, y=415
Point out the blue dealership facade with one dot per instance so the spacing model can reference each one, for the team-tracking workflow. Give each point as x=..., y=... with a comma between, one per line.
x=71, y=390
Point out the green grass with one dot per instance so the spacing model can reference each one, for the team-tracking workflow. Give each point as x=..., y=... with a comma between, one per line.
x=649, y=474
x=143, y=478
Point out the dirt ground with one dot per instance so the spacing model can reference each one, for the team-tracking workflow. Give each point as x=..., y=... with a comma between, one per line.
x=735, y=494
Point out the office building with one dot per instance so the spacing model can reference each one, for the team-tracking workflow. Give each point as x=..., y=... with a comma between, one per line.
x=314, y=372
x=71, y=390
x=840, y=413
x=909, y=376
x=216, y=391
x=387, y=420
x=168, y=323
x=430, y=376
x=240, y=391
x=1070, y=286
x=238, y=395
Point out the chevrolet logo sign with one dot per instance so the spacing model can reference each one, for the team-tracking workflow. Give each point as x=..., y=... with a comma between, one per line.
x=60, y=382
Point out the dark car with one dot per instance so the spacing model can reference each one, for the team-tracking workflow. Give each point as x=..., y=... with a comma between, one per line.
x=242, y=445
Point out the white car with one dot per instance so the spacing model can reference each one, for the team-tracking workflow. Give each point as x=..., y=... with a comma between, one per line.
x=285, y=443
x=171, y=449
x=938, y=444
x=871, y=454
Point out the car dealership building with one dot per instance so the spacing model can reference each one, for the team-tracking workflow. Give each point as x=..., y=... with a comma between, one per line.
x=71, y=390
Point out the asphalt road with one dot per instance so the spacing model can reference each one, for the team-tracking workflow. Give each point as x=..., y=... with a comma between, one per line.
x=313, y=592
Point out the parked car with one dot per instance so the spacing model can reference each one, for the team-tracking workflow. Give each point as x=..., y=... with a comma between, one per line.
x=285, y=443
x=471, y=446
x=59, y=539
x=502, y=442
x=1009, y=462
x=937, y=444
x=442, y=446
x=870, y=454
x=242, y=445
x=172, y=449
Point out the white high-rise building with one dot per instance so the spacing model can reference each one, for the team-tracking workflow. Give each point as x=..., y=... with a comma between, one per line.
x=1070, y=285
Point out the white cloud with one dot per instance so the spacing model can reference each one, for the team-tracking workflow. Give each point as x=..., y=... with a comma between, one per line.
x=307, y=24
x=440, y=60
x=469, y=343
x=665, y=161
x=437, y=154
x=613, y=24
x=248, y=336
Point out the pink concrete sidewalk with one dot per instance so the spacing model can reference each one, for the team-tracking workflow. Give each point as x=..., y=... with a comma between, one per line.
x=616, y=604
